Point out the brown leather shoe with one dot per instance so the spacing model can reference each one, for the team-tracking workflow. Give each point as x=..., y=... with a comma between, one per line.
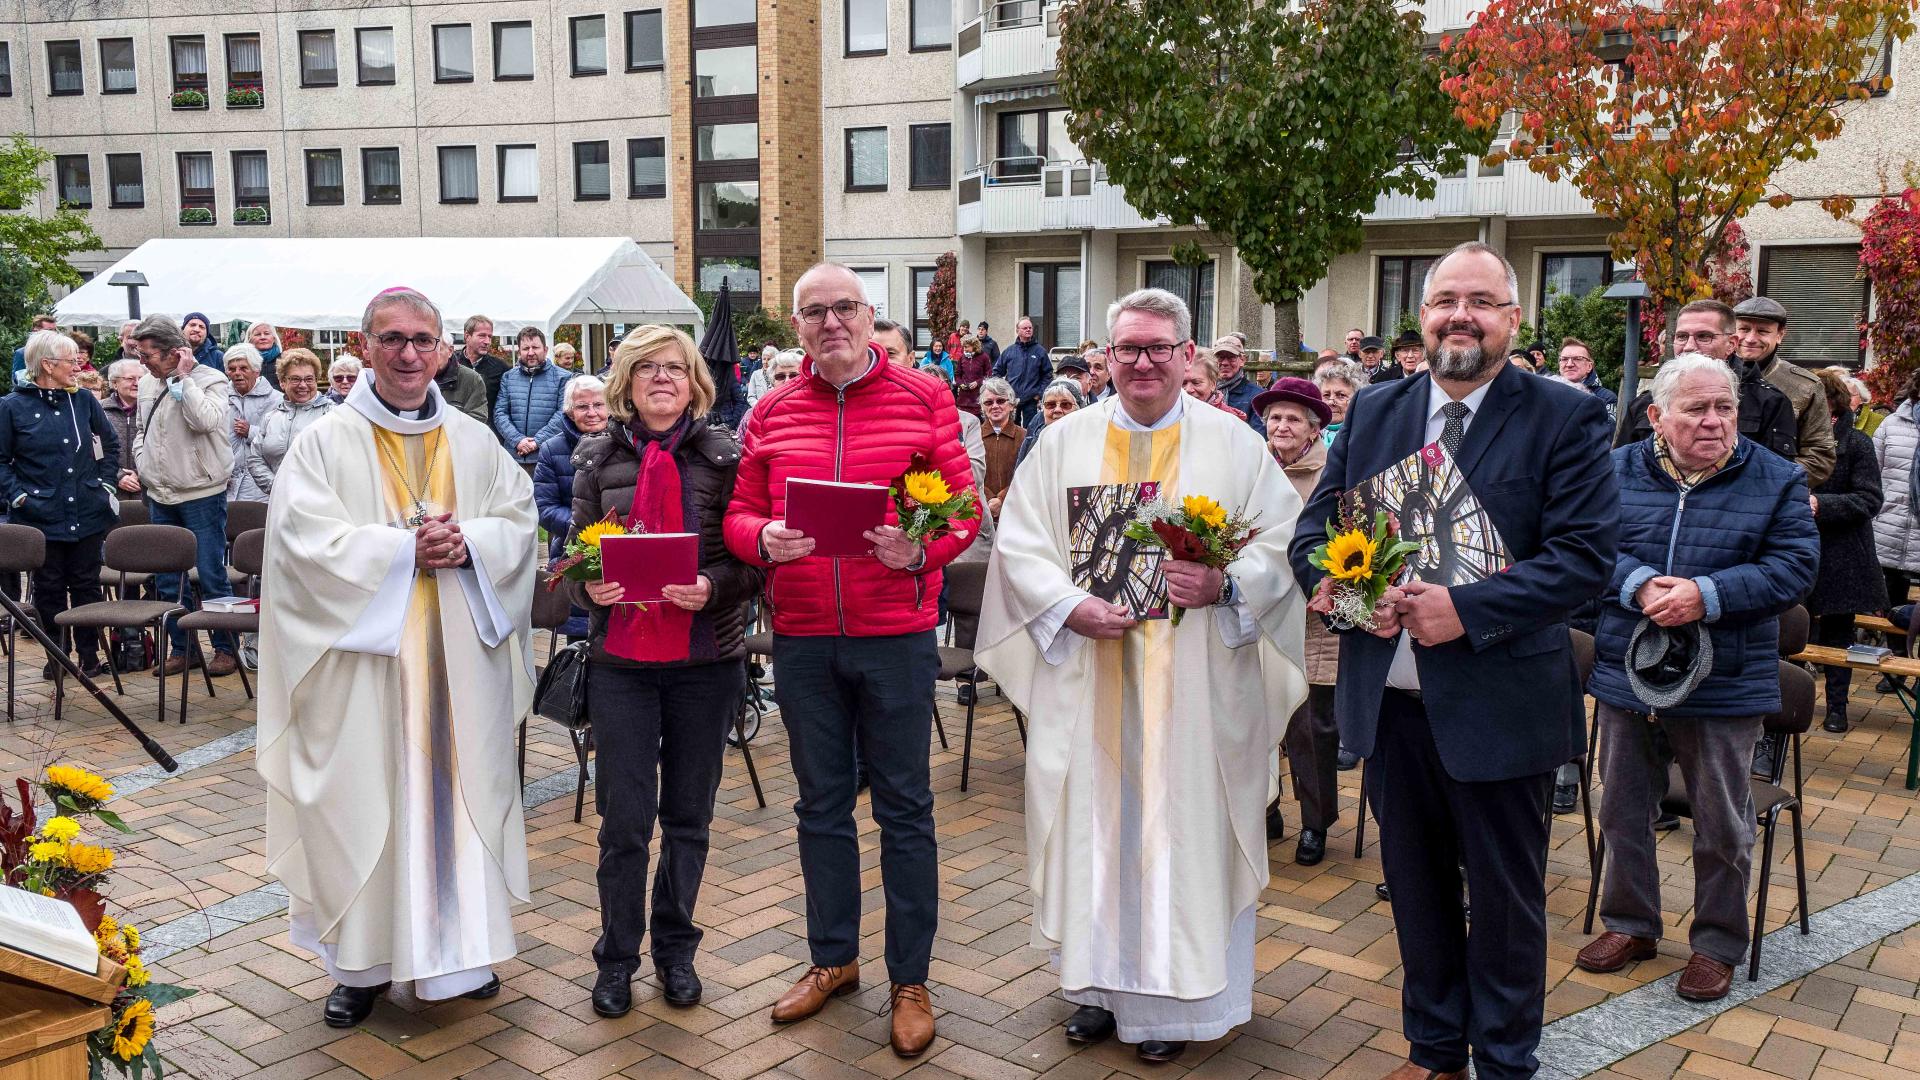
x=912, y=1019
x=223, y=663
x=1705, y=979
x=178, y=663
x=810, y=994
x=1612, y=951
x=1410, y=1071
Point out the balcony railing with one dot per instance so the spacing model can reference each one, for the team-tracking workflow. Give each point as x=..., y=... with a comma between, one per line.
x=1517, y=192
x=1025, y=195
x=1008, y=40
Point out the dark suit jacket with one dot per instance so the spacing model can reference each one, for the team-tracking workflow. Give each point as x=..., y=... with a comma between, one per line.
x=1503, y=700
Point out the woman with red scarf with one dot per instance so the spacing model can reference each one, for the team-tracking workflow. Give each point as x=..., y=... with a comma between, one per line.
x=664, y=681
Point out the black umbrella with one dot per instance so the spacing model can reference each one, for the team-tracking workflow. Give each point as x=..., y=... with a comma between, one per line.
x=722, y=350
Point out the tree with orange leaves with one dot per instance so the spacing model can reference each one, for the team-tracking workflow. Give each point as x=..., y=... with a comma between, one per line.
x=1671, y=118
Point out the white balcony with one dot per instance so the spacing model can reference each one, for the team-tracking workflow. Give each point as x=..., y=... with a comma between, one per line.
x=1518, y=192
x=1021, y=196
x=1448, y=16
x=1007, y=42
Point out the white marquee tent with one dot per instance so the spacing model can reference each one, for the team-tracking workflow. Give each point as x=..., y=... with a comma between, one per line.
x=325, y=283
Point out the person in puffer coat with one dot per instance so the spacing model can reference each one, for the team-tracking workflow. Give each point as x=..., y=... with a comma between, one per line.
x=1850, y=582
x=527, y=412
x=1714, y=529
x=249, y=399
x=1896, y=530
x=585, y=414
x=303, y=403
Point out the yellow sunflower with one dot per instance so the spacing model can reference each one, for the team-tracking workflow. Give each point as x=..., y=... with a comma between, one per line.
x=47, y=851
x=108, y=930
x=599, y=530
x=83, y=785
x=1350, y=556
x=60, y=828
x=1202, y=509
x=927, y=488
x=133, y=1030
x=87, y=859
x=137, y=972
x=132, y=935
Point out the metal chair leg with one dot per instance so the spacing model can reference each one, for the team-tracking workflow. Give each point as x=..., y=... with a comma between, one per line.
x=1360, y=823
x=746, y=752
x=937, y=725
x=193, y=650
x=113, y=663
x=12, y=655
x=205, y=675
x=523, y=756
x=160, y=643
x=1599, y=864
x=1021, y=723
x=966, y=752
x=582, y=739
x=245, y=684
x=1760, y=903
x=1800, y=867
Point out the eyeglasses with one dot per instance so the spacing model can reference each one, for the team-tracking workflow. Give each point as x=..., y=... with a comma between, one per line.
x=1474, y=305
x=1702, y=337
x=647, y=369
x=393, y=342
x=993, y=402
x=1131, y=354
x=299, y=380
x=844, y=310
x=347, y=379
x=783, y=376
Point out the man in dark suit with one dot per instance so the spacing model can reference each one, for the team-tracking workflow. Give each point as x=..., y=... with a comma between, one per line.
x=1465, y=699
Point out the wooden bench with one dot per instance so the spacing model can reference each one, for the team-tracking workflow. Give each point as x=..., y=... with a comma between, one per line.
x=1896, y=665
x=1876, y=623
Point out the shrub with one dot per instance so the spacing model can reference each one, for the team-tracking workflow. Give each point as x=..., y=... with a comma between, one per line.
x=196, y=215
x=244, y=97
x=250, y=215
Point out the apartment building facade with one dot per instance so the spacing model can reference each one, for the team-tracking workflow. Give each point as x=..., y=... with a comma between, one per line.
x=746, y=139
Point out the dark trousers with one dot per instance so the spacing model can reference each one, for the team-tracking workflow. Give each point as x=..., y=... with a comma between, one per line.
x=1026, y=411
x=206, y=518
x=876, y=694
x=1837, y=631
x=1899, y=585
x=1313, y=749
x=659, y=739
x=1483, y=988
x=72, y=571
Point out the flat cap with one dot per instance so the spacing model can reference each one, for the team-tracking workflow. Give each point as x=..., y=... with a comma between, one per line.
x=1760, y=307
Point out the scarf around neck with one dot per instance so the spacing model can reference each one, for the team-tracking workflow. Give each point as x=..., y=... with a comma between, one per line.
x=660, y=632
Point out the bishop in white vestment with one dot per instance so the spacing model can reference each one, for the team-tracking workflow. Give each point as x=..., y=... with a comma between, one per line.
x=394, y=667
x=1147, y=743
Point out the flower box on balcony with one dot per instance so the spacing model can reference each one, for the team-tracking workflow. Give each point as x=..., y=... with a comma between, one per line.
x=196, y=215
x=189, y=99
x=245, y=97
x=250, y=215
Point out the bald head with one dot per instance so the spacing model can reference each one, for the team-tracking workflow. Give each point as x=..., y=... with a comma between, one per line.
x=834, y=319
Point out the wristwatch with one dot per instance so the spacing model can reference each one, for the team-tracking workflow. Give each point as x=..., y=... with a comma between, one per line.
x=1226, y=591
x=919, y=562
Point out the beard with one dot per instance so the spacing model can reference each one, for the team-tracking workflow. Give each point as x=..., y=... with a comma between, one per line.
x=1457, y=364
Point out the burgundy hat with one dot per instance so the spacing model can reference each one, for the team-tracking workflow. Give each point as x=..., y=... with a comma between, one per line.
x=1297, y=390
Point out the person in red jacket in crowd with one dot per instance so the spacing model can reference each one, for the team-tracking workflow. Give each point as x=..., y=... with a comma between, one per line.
x=853, y=638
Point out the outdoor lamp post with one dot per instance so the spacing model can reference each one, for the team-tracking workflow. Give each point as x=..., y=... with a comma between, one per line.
x=130, y=280
x=1634, y=292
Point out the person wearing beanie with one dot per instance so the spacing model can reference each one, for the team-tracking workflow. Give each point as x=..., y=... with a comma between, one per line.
x=200, y=339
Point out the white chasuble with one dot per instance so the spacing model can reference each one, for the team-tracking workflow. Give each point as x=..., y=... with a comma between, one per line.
x=389, y=696
x=1147, y=756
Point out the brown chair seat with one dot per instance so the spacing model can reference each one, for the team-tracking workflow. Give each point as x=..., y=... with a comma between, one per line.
x=954, y=663
x=760, y=644
x=116, y=613
x=237, y=622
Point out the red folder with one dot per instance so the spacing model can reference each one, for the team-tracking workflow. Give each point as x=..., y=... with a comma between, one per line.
x=645, y=562
x=836, y=514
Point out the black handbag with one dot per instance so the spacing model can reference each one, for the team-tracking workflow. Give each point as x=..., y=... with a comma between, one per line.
x=561, y=693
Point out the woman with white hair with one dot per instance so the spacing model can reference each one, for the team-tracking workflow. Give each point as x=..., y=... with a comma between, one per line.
x=780, y=368
x=761, y=380
x=122, y=402
x=265, y=339
x=1062, y=396
x=59, y=456
x=341, y=375
x=303, y=404
x=249, y=400
x=1338, y=381
x=583, y=411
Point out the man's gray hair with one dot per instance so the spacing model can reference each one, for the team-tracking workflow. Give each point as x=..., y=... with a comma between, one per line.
x=858, y=282
x=162, y=331
x=1472, y=247
x=44, y=345
x=997, y=387
x=785, y=357
x=579, y=384
x=243, y=351
x=1673, y=371
x=401, y=297
x=1154, y=302
x=123, y=366
x=1341, y=370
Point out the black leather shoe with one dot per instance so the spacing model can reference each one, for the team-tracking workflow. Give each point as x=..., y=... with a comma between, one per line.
x=1565, y=798
x=678, y=984
x=1835, y=722
x=491, y=989
x=1380, y=891
x=349, y=1006
x=1276, y=822
x=1346, y=760
x=1089, y=1024
x=1311, y=847
x=1666, y=823
x=1156, y=1050
x=613, y=992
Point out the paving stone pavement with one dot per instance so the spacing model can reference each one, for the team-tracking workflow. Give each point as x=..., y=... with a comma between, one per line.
x=1326, y=990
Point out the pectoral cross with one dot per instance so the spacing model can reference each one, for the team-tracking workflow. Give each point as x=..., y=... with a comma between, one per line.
x=418, y=517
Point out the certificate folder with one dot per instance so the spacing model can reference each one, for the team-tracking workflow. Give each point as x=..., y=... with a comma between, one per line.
x=835, y=515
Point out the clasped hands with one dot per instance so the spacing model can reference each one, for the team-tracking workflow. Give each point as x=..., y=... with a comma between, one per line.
x=1189, y=585
x=438, y=544
x=1671, y=601
x=890, y=545
x=1422, y=609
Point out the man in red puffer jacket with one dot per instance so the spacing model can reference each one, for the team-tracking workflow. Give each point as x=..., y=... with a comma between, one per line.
x=854, y=654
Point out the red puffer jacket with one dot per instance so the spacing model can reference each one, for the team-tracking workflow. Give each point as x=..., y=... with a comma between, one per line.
x=865, y=433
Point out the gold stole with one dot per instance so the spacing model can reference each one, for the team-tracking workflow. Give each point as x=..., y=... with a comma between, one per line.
x=1133, y=696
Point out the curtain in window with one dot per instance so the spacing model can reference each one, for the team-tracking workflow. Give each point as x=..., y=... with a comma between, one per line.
x=647, y=166
x=196, y=173
x=644, y=48
x=67, y=77
x=866, y=26
x=459, y=173
x=513, y=50
x=590, y=44
x=117, y=56
x=376, y=55
x=243, y=56
x=249, y=176
x=317, y=63
x=869, y=153
x=76, y=186
x=520, y=173
x=593, y=175
x=325, y=171
x=124, y=175
x=383, y=170
x=190, y=57
x=453, y=46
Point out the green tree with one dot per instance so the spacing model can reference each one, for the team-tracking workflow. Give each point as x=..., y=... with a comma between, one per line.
x=1277, y=126
x=1594, y=319
x=43, y=243
x=23, y=294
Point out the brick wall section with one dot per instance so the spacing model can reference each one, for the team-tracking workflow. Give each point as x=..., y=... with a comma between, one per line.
x=790, y=146
x=679, y=57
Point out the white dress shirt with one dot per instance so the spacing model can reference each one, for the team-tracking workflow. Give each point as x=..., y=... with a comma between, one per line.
x=1403, y=674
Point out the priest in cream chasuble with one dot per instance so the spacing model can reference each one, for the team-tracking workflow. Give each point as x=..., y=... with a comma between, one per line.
x=1147, y=743
x=395, y=667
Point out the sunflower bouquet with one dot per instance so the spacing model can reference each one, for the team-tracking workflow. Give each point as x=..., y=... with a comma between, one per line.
x=581, y=560
x=1198, y=530
x=1362, y=564
x=926, y=505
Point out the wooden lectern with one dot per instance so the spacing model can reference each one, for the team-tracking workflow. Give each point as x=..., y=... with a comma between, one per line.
x=46, y=1013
